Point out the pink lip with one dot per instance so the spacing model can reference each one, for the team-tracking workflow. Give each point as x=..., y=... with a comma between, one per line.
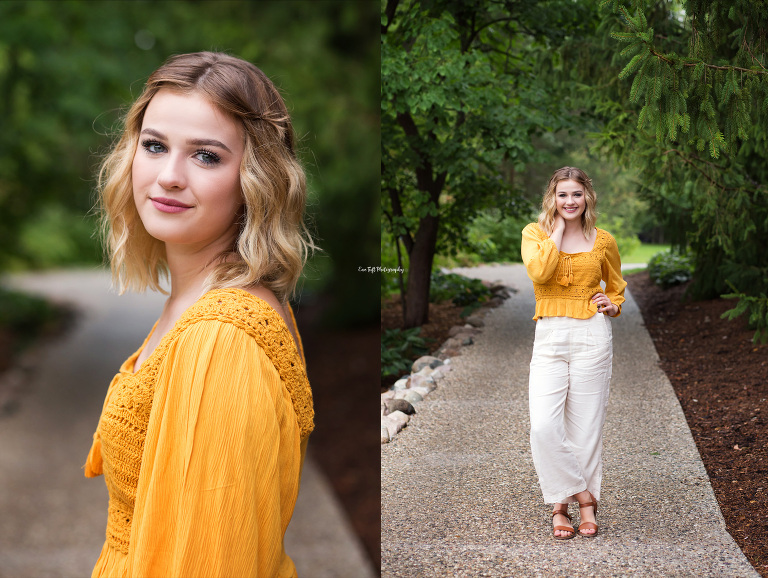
x=168, y=205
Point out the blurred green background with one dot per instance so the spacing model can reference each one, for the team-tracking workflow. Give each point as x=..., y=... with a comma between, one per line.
x=68, y=69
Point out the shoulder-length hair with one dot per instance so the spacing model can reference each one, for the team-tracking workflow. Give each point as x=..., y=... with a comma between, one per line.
x=549, y=203
x=273, y=243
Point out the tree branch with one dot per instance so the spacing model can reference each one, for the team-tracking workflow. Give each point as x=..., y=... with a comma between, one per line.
x=389, y=11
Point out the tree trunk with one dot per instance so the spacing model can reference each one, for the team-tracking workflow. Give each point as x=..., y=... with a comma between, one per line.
x=419, y=272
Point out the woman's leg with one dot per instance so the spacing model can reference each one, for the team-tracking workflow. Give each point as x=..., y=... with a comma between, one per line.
x=557, y=466
x=584, y=415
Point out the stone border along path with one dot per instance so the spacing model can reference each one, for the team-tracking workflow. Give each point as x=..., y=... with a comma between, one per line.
x=460, y=496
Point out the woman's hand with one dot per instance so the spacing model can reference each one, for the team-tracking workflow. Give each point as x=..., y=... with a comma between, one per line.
x=559, y=223
x=604, y=305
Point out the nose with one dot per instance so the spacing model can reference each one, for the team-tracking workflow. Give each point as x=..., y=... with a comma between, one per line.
x=172, y=174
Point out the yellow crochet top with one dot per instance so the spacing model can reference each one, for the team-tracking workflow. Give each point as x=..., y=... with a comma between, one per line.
x=564, y=283
x=201, y=448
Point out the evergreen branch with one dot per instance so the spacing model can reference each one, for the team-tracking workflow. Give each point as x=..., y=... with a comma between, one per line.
x=699, y=169
x=754, y=59
x=672, y=62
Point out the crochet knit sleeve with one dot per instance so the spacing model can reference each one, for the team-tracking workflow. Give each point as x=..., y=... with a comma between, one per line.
x=540, y=254
x=611, y=270
x=221, y=464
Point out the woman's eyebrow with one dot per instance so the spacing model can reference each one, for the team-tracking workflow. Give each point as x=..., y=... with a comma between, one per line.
x=208, y=142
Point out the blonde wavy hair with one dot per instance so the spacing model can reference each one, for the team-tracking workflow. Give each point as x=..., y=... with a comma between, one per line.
x=549, y=202
x=273, y=243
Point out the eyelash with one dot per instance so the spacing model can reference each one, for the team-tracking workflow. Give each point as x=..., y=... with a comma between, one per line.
x=213, y=158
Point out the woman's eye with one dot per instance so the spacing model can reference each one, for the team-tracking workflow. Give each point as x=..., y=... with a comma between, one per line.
x=207, y=157
x=153, y=146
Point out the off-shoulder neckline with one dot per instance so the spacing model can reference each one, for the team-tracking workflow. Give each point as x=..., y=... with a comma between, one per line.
x=600, y=234
x=129, y=364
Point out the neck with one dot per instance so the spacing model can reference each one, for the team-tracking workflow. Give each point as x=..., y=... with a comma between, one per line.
x=573, y=228
x=189, y=267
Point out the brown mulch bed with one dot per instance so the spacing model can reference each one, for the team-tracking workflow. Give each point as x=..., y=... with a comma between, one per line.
x=720, y=378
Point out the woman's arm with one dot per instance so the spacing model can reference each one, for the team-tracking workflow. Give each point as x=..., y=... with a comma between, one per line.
x=611, y=273
x=540, y=253
x=221, y=464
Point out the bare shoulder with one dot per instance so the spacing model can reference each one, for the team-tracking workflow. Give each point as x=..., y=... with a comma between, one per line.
x=265, y=295
x=269, y=297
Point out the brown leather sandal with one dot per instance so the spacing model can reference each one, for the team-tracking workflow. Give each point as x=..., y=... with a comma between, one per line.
x=589, y=525
x=562, y=509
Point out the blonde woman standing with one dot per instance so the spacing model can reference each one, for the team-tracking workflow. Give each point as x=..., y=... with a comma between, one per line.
x=567, y=257
x=204, y=428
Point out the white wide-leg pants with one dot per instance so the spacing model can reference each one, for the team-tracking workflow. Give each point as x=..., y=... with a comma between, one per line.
x=568, y=394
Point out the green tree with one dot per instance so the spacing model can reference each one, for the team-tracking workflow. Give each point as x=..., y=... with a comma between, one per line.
x=461, y=98
x=690, y=111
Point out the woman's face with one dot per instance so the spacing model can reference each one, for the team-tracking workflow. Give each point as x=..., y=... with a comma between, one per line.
x=186, y=172
x=570, y=200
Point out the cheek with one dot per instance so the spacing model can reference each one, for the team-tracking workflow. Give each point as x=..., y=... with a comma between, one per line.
x=139, y=173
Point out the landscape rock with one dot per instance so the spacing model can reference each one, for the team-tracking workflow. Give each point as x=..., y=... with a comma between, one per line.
x=394, y=422
x=412, y=396
x=465, y=329
x=401, y=384
x=422, y=391
x=476, y=320
x=425, y=361
x=452, y=343
x=468, y=340
x=389, y=394
x=440, y=372
x=446, y=353
x=402, y=404
x=385, y=439
x=420, y=380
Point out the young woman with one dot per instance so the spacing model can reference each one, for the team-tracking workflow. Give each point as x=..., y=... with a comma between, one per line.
x=204, y=429
x=566, y=258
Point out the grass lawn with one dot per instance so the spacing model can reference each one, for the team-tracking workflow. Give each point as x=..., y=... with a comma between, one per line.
x=643, y=253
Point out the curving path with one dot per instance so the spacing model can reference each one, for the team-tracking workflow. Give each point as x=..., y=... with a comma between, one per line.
x=52, y=518
x=460, y=496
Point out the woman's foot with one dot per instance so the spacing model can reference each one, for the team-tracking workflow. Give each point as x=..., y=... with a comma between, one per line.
x=588, y=510
x=561, y=522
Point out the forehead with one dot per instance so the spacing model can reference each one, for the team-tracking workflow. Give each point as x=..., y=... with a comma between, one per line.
x=189, y=115
x=569, y=186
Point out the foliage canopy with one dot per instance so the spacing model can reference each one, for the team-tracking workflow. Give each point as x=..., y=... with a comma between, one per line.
x=691, y=114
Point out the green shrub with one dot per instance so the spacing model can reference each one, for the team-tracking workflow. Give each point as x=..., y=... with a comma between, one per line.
x=459, y=289
x=399, y=349
x=58, y=236
x=495, y=238
x=756, y=309
x=668, y=268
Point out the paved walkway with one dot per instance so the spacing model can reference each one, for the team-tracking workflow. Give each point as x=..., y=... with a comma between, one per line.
x=52, y=519
x=460, y=496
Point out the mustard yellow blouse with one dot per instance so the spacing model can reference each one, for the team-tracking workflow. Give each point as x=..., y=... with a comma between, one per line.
x=564, y=283
x=201, y=448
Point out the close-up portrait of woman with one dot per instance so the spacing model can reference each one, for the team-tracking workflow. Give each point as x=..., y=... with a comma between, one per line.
x=188, y=318
x=204, y=429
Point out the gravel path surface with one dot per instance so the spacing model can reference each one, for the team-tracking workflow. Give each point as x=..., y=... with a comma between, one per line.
x=52, y=518
x=460, y=496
